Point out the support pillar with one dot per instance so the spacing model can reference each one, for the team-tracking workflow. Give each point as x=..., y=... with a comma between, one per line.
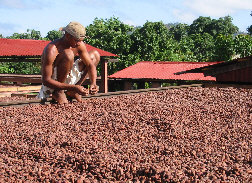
x=104, y=75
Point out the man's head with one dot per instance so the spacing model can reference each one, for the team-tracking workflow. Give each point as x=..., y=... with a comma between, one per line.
x=75, y=29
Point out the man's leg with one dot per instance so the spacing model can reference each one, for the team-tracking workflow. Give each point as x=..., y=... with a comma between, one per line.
x=64, y=63
x=95, y=57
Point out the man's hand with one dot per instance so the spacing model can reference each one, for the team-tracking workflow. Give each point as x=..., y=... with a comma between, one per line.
x=93, y=89
x=81, y=90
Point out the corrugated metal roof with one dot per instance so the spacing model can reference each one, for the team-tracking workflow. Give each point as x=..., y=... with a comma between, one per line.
x=29, y=47
x=163, y=70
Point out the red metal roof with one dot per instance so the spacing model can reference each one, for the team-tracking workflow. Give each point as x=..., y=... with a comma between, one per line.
x=163, y=70
x=29, y=47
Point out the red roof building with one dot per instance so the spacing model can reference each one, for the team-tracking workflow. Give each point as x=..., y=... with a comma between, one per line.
x=162, y=72
x=29, y=47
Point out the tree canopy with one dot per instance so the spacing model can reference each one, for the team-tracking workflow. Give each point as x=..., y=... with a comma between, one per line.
x=52, y=35
x=213, y=27
x=30, y=34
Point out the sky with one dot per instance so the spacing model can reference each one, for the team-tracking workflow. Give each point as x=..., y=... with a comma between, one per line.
x=16, y=16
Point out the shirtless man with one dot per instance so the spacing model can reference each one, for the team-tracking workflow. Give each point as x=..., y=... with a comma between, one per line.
x=61, y=72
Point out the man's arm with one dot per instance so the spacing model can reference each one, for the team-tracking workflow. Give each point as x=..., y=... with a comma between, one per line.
x=91, y=68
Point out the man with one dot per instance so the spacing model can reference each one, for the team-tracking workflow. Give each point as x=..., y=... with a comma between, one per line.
x=61, y=72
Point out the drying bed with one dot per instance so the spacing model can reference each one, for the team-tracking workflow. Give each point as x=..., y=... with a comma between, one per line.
x=176, y=135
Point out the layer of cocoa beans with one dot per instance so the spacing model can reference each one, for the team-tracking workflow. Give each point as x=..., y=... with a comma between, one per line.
x=177, y=135
x=16, y=98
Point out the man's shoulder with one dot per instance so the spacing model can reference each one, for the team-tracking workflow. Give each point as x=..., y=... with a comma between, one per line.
x=51, y=49
x=52, y=45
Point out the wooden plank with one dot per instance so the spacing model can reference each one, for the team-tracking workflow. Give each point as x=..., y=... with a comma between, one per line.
x=27, y=88
x=21, y=78
x=20, y=58
x=8, y=94
x=9, y=89
x=21, y=88
x=113, y=60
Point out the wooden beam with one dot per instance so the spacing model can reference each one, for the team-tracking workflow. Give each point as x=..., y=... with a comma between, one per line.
x=104, y=75
x=113, y=60
x=21, y=78
x=20, y=59
x=20, y=88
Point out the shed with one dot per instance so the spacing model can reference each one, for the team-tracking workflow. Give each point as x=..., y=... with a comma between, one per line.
x=234, y=71
x=158, y=72
x=28, y=50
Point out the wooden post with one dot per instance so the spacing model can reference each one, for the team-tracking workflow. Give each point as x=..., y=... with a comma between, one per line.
x=104, y=75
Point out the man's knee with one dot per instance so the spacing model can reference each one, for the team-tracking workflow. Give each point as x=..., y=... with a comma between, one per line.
x=95, y=56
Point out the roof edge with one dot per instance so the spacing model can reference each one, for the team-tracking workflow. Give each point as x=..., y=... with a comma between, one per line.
x=181, y=62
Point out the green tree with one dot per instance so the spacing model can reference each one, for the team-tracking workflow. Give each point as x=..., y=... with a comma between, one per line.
x=52, y=35
x=30, y=34
x=34, y=34
x=179, y=31
x=200, y=25
x=213, y=27
x=152, y=42
x=20, y=68
x=224, y=48
x=114, y=36
x=203, y=47
x=222, y=26
x=109, y=34
x=185, y=49
x=243, y=45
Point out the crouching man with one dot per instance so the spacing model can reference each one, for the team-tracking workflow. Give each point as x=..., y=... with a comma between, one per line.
x=62, y=75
